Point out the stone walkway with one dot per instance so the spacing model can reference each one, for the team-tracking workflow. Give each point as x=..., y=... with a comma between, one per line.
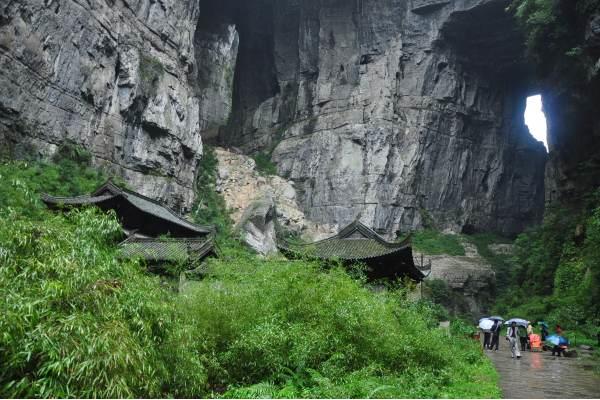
x=541, y=376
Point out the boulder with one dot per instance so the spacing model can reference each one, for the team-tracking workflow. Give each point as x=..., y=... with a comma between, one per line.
x=257, y=226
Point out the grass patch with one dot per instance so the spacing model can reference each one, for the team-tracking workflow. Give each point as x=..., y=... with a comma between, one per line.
x=500, y=262
x=264, y=165
x=433, y=242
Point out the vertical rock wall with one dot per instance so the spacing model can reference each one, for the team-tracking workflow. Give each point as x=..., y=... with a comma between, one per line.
x=113, y=76
x=402, y=112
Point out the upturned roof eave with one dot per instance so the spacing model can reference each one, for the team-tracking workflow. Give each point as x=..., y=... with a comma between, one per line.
x=115, y=191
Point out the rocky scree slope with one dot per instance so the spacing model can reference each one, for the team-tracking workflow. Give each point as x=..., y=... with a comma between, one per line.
x=397, y=112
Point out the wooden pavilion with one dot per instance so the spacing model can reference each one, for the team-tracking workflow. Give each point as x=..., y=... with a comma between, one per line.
x=155, y=233
x=358, y=243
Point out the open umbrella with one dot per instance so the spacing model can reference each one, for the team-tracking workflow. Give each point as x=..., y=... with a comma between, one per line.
x=496, y=318
x=486, y=324
x=518, y=321
x=557, y=340
x=542, y=323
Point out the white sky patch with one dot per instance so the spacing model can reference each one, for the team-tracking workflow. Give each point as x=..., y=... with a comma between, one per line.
x=536, y=120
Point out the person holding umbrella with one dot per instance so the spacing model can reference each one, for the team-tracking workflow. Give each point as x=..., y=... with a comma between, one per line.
x=496, y=335
x=512, y=335
x=522, y=337
x=485, y=325
x=544, y=330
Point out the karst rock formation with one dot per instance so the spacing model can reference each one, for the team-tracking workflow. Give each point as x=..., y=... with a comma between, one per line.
x=402, y=113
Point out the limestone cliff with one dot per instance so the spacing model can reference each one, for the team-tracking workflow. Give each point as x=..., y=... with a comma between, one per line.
x=400, y=111
x=397, y=111
x=114, y=76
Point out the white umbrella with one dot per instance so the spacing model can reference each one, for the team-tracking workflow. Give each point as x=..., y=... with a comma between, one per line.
x=518, y=321
x=486, y=324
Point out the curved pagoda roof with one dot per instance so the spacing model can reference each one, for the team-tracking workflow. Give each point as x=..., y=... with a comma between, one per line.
x=137, y=212
x=159, y=250
x=357, y=242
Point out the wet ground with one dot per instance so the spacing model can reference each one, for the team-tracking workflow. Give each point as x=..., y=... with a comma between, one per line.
x=539, y=375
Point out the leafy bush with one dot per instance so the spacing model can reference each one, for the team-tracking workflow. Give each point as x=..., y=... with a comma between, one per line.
x=430, y=241
x=290, y=329
x=264, y=165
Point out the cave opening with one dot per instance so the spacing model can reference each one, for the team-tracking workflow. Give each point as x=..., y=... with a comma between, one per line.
x=535, y=119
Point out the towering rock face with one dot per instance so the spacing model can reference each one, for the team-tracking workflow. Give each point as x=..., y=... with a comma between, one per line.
x=400, y=112
x=114, y=76
x=571, y=105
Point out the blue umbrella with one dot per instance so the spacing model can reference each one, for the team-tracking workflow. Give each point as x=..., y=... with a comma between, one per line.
x=557, y=340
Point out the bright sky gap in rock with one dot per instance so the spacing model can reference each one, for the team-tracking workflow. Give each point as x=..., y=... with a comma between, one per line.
x=536, y=119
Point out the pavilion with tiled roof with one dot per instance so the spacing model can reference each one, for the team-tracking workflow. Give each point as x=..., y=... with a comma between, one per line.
x=167, y=250
x=358, y=243
x=137, y=213
x=155, y=233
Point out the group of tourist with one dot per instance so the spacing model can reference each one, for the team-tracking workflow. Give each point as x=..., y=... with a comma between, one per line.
x=519, y=337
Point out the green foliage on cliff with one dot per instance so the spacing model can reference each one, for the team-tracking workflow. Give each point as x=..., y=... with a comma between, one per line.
x=555, y=34
x=77, y=321
x=150, y=71
x=210, y=207
x=557, y=273
x=264, y=165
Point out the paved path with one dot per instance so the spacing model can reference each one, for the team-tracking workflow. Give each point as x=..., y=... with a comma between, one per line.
x=540, y=375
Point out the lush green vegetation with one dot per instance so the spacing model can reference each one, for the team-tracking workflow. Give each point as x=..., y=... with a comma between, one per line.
x=557, y=270
x=210, y=207
x=78, y=322
x=555, y=32
x=431, y=241
x=264, y=165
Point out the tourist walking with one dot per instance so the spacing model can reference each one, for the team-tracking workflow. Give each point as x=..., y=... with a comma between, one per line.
x=486, y=339
x=495, y=335
x=522, y=331
x=512, y=335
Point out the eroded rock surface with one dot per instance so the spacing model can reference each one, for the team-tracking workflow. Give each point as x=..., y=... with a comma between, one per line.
x=391, y=110
x=113, y=76
x=470, y=276
x=244, y=188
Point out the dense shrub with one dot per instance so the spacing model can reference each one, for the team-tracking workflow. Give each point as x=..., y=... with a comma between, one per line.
x=290, y=329
x=555, y=36
x=78, y=322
